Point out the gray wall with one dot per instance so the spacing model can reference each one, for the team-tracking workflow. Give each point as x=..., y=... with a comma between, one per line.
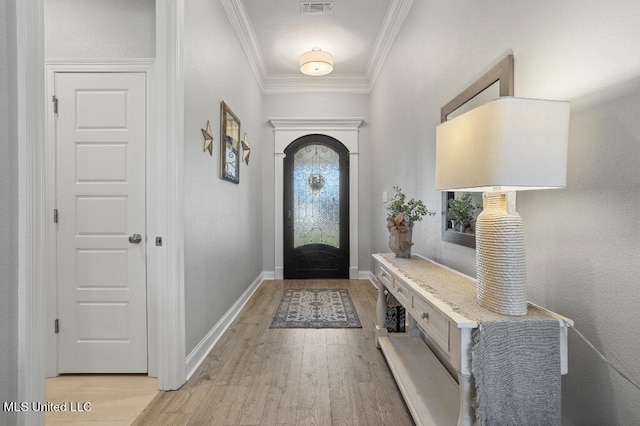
x=8, y=212
x=100, y=28
x=583, y=255
x=315, y=105
x=223, y=229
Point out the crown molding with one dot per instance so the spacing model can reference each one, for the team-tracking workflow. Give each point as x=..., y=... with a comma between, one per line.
x=293, y=83
x=314, y=123
x=393, y=22
x=301, y=84
x=239, y=19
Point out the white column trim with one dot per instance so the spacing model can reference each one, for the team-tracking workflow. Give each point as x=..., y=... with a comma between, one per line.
x=354, y=159
x=169, y=169
x=287, y=130
x=31, y=215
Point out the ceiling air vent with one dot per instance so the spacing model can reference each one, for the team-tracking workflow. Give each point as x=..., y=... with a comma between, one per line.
x=316, y=7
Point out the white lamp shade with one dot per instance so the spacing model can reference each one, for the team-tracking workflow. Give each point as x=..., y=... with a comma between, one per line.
x=316, y=62
x=510, y=143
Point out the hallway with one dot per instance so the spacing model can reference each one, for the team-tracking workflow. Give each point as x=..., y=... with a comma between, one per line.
x=261, y=376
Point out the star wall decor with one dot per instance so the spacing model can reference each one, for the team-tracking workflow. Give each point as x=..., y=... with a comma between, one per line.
x=208, y=139
x=246, y=149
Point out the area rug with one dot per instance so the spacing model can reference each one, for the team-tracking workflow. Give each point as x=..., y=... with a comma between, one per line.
x=316, y=308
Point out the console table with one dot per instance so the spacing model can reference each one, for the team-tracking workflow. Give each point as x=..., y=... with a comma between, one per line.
x=432, y=362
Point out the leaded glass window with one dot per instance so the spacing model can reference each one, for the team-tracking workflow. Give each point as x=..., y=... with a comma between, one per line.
x=316, y=196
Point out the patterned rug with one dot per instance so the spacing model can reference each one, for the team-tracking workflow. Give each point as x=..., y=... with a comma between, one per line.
x=316, y=308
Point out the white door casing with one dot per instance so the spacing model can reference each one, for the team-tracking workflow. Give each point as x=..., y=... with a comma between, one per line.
x=100, y=198
x=287, y=130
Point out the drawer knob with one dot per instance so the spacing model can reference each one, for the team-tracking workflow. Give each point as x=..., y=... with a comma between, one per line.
x=425, y=315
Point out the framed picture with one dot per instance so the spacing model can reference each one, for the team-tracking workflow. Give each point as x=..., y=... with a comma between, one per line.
x=230, y=144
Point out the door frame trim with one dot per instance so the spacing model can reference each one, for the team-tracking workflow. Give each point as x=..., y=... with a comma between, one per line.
x=142, y=66
x=289, y=129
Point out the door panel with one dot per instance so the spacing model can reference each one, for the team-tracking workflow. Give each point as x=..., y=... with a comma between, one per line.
x=100, y=163
x=316, y=205
x=100, y=196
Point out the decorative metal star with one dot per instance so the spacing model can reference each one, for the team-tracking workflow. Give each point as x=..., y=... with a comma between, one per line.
x=246, y=149
x=208, y=139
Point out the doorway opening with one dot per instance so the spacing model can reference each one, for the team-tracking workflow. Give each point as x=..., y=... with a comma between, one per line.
x=287, y=129
x=316, y=206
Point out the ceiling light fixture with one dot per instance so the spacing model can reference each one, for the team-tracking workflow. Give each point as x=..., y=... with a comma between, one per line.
x=316, y=62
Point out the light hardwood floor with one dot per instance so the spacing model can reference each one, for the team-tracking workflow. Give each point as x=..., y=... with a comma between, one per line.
x=114, y=400
x=261, y=376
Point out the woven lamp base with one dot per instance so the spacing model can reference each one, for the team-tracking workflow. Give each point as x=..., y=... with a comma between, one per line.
x=500, y=257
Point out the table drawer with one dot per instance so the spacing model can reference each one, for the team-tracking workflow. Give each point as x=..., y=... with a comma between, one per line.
x=384, y=276
x=401, y=292
x=432, y=321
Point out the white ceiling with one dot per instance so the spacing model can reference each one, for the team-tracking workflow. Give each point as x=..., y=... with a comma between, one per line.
x=358, y=33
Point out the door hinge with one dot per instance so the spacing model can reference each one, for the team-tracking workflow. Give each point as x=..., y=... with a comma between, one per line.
x=55, y=215
x=55, y=104
x=56, y=326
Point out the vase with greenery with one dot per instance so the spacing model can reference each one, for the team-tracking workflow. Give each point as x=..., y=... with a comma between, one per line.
x=402, y=215
x=460, y=211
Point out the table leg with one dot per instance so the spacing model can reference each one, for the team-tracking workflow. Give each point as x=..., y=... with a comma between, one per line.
x=467, y=394
x=381, y=311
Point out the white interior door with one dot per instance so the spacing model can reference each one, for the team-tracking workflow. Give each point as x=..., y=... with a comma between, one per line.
x=100, y=198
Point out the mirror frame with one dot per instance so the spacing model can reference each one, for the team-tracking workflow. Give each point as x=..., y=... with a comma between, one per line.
x=503, y=74
x=229, y=144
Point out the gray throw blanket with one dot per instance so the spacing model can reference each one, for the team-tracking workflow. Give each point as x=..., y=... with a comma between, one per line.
x=516, y=365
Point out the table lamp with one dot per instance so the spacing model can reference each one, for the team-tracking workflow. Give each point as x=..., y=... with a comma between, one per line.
x=506, y=145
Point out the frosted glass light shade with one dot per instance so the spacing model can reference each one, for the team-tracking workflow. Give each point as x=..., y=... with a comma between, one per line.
x=509, y=143
x=316, y=62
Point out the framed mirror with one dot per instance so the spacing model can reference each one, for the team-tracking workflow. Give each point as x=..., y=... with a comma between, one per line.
x=229, y=144
x=497, y=82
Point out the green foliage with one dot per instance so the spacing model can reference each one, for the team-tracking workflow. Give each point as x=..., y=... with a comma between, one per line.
x=413, y=210
x=461, y=209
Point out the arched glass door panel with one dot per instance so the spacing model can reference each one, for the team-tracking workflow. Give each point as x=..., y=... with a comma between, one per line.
x=316, y=196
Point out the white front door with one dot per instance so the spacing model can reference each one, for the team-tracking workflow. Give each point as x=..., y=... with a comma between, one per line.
x=100, y=199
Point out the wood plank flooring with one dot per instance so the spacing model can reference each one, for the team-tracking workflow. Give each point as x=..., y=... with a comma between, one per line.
x=261, y=376
x=115, y=400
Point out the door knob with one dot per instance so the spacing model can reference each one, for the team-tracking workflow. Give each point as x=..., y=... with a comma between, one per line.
x=135, y=239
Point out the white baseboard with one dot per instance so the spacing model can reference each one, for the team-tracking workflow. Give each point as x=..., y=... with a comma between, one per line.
x=354, y=274
x=202, y=349
x=364, y=275
x=371, y=277
x=279, y=273
x=269, y=275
